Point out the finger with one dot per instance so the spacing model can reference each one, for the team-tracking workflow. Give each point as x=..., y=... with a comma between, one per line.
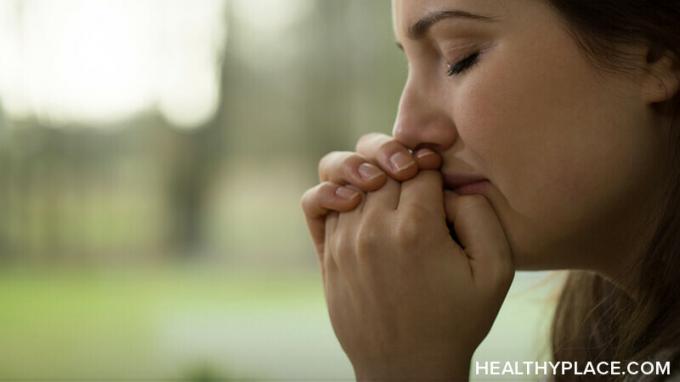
x=428, y=159
x=346, y=167
x=483, y=238
x=393, y=157
x=384, y=199
x=318, y=201
x=425, y=192
x=328, y=263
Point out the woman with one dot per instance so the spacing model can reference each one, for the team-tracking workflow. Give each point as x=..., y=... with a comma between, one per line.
x=559, y=115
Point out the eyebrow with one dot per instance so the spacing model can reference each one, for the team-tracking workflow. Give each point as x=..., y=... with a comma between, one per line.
x=420, y=27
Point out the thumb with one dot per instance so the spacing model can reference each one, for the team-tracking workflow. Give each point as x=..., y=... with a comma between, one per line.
x=482, y=238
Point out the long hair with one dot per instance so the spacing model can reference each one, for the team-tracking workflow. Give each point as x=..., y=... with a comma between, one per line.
x=596, y=320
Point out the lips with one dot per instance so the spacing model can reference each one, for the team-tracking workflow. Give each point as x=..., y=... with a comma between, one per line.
x=464, y=183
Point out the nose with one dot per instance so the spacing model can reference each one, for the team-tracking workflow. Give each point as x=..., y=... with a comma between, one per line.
x=423, y=120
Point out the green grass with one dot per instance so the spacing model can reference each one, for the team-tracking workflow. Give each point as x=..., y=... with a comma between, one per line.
x=195, y=325
x=76, y=324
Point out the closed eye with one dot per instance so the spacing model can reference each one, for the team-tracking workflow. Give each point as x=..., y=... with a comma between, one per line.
x=462, y=65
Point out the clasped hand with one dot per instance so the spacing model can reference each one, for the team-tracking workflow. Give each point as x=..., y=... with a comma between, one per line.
x=405, y=300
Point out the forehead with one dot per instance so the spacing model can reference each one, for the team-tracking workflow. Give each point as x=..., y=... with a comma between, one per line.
x=407, y=12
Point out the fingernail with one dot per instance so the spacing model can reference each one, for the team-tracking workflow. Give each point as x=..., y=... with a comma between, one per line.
x=401, y=161
x=346, y=193
x=369, y=171
x=424, y=153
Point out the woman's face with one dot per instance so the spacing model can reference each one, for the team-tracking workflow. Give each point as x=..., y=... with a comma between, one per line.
x=573, y=156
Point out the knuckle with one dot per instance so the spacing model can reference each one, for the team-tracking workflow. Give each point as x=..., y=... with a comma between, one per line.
x=340, y=166
x=407, y=233
x=388, y=148
x=408, y=236
x=326, y=162
x=391, y=146
x=325, y=194
x=368, y=241
x=331, y=247
x=365, y=139
x=340, y=248
x=326, y=187
x=319, y=196
x=308, y=197
x=350, y=165
x=417, y=214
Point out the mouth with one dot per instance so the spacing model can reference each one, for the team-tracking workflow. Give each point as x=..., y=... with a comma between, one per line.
x=465, y=184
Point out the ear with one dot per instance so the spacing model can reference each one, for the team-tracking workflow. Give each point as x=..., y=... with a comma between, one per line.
x=661, y=80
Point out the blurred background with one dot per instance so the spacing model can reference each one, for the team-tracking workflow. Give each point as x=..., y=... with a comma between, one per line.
x=152, y=158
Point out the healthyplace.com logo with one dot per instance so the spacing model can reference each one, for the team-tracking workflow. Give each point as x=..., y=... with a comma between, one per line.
x=539, y=368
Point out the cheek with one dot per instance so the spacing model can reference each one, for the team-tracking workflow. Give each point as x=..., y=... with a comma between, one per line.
x=557, y=155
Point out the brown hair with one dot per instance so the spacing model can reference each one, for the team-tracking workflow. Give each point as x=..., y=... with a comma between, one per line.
x=596, y=320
